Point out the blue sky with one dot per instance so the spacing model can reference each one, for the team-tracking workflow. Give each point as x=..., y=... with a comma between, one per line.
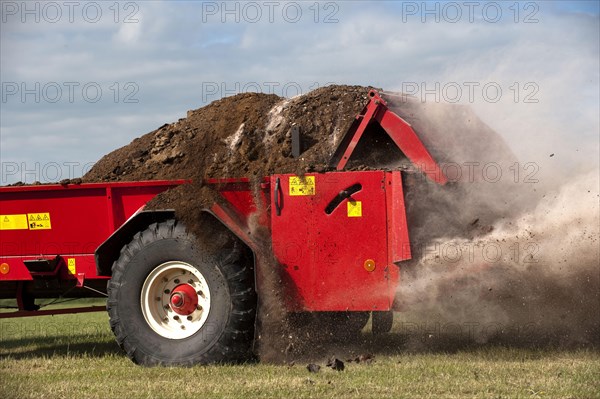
x=588, y=7
x=81, y=80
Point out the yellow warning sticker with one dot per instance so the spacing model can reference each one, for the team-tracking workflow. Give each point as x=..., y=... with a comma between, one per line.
x=71, y=265
x=302, y=185
x=354, y=209
x=13, y=222
x=39, y=221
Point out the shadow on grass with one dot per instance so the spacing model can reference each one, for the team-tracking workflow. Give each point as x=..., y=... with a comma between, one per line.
x=315, y=350
x=40, y=347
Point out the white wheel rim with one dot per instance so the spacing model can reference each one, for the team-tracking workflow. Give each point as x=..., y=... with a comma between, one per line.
x=156, y=300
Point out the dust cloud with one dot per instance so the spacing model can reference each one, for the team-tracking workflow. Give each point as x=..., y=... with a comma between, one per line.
x=533, y=278
x=500, y=255
x=509, y=250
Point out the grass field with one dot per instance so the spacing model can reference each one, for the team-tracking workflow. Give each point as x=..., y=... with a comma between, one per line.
x=75, y=356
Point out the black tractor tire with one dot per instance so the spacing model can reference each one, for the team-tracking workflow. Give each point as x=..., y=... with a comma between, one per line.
x=228, y=330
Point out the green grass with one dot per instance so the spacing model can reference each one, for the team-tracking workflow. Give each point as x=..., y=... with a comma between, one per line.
x=71, y=356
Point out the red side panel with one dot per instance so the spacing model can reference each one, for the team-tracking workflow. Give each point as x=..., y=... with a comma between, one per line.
x=73, y=221
x=324, y=240
x=245, y=201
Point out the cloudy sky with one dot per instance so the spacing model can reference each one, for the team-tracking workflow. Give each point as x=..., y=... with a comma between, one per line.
x=82, y=78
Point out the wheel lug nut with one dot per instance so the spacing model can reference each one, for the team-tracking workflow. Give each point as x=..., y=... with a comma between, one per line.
x=189, y=318
x=175, y=317
x=166, y=319
x=176, y=281
x=167, y=291
x=190, y=281
x=200, y=293
x=198, y=307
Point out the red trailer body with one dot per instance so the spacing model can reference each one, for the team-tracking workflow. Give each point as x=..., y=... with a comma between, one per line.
x=318, y=238
x=334, y=240
x=54, y=230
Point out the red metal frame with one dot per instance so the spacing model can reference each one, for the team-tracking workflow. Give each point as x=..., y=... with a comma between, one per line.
x=80, y=218
x=399, y=131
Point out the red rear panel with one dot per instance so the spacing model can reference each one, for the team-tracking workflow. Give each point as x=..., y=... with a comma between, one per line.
x=330, y=229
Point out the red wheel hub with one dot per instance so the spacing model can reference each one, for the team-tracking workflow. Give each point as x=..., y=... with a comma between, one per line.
x=184, y=300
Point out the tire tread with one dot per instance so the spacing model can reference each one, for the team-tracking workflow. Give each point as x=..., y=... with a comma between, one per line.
x=235, y=343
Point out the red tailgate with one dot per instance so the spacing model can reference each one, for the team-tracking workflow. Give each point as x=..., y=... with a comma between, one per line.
x=330, y=230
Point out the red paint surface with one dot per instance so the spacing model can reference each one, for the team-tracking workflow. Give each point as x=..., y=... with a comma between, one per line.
x=322, y=255
x=82, y=217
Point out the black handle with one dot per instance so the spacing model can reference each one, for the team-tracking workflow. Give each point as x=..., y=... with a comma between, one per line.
x=277, y=196
x=342, y=195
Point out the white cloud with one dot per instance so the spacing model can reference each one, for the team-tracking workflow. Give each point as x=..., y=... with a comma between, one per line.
x=129, y=33
x=175, y=50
